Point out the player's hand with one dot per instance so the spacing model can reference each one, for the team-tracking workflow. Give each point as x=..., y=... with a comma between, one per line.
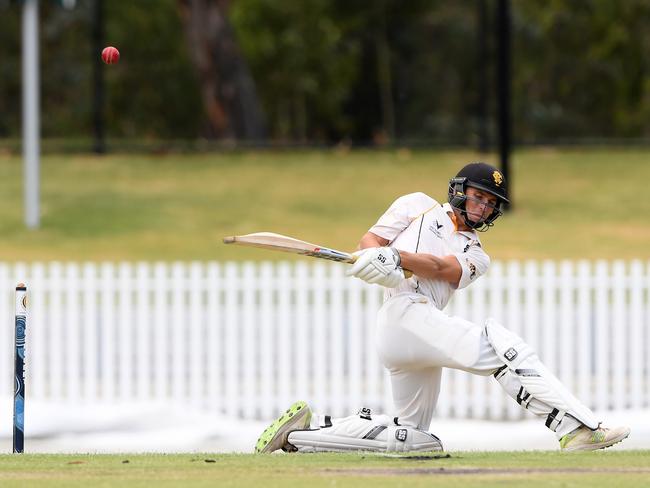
x=379, y=265
x=374, y=261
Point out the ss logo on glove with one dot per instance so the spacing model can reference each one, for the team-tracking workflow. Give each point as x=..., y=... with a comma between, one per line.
x=373, y=266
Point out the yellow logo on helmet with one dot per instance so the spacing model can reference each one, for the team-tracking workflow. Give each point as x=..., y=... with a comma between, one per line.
x=498, y=178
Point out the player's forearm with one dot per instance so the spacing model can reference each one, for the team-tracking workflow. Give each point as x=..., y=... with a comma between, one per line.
x=444, y=268
x=372, y=240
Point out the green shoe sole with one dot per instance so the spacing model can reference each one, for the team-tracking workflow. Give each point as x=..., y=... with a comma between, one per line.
x=296, y=417
x=595, y=445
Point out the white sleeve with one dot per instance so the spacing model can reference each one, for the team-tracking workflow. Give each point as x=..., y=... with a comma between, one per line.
x=401, y=213
x=474, y=262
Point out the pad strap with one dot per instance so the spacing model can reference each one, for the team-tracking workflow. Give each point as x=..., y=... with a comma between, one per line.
x=554, y=419
x=524, y=398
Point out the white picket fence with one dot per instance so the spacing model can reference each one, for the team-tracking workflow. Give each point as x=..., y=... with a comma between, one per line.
x=248, y=339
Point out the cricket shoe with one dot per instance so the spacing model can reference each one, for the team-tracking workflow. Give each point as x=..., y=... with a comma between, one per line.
x=297, y=417
x=585, y=439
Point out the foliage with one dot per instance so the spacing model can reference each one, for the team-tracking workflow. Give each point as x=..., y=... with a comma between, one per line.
x=582, y=68
x=150, y=93
x=337, y=70
x=299, y=50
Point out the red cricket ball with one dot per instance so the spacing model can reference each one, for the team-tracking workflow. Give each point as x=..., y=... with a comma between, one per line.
x=110, y=55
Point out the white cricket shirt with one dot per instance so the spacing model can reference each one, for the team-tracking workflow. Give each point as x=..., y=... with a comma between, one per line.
x=417, y=223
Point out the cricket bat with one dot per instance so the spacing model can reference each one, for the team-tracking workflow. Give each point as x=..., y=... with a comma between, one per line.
x=278, y=242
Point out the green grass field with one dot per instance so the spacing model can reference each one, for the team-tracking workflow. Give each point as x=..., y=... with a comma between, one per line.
x=569, y=204
x=535, y=469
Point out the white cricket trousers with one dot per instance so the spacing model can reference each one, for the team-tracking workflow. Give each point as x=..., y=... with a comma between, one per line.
x=415, y=341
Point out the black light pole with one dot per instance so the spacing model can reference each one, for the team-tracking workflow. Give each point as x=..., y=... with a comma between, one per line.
x=98, y=76
x=503, y=89
x=482, y=61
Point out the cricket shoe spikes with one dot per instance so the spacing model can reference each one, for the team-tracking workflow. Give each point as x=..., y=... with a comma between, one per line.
x=297, y=417
x=585, y=439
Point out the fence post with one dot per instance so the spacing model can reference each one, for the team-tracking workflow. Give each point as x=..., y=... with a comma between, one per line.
x=355, y=344
x=251, y=345
x=108, y=335
x=72, y=326
x=619, y=333
x=195, y=330
x=161, y=332
x=36, y=346
x=231, y=353
x=126, y=332
x=284, y=347
x=303, y=353
x=214, y=339
x=340, y=401
x=54, y=329
x=584, y=341
x=601, y=360
x=90, y=330
x=143, y=336
x=266, y=321
x=567, y=326
x=635, y=339
x=549, y=325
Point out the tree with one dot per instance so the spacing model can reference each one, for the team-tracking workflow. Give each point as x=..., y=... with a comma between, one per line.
x=227, y=88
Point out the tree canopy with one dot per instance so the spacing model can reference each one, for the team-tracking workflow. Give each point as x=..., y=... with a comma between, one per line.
x=324, y=71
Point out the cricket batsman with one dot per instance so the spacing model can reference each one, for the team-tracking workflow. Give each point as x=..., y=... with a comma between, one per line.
x=416, y=339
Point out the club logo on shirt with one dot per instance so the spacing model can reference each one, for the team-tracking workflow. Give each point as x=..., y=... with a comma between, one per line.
x=436, y=229
x=472, y=269
x=470, y=244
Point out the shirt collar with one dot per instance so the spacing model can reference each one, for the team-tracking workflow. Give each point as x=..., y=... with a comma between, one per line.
x=449, y=210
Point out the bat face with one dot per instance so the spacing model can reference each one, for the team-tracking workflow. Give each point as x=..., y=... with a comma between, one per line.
x=278, y=242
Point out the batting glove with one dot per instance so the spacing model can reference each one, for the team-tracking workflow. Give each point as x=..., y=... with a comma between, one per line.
x=378, y=265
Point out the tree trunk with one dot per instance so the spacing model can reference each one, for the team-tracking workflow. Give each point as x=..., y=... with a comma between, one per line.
x=385, y=82
x=227, y=87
